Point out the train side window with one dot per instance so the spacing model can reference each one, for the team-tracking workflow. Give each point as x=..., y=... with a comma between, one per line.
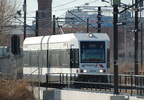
x=26, y=58
x=44, y=57
x=30, y=58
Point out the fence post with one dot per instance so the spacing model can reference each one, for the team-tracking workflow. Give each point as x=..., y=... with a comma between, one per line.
x=46, y=81
x=120, y=82
x=131, y=84
x=60, y=80
x=140, y=85
x=125, y=84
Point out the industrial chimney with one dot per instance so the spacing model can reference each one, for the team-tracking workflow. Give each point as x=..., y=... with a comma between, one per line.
x=44, y=13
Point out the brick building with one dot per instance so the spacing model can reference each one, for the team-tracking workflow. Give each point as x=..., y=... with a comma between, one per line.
x=45, y=11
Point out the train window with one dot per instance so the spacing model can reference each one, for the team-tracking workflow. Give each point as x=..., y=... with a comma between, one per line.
x=26, y=59
x=44, y=58
x=30, y=58
x=59, y=58
x=93, y=52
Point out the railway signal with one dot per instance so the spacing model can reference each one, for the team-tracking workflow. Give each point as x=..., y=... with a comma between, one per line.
x=15, y=44
x=15, y=49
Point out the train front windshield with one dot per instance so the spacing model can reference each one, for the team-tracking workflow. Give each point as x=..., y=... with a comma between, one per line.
x=93, y=52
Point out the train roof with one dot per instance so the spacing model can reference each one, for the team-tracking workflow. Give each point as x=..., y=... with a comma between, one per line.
x=66, y=37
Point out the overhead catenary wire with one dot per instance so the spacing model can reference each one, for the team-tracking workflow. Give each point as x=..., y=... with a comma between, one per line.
x=65, y=4
x=42, y=28
x=62, y=5
x=29, y=12
x=68, y=7
x=23, y=22
x=49, y=9
x=81, y=19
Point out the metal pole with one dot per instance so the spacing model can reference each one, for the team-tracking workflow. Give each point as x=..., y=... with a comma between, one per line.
x=125, y=27
x=115, y=32
x=40, y=67
x=37, y=24
x=141, y=45
x=25, y=9
x=99, y=19
x=15, y=67
x=87, y=25
x=136, y=38
x=132, y=7
x=54, y=26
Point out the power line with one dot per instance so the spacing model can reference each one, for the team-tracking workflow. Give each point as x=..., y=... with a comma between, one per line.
x=80, y=19
x=65, y=4
x=62, y=5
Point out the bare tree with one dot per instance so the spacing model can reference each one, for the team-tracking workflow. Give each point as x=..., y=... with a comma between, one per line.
x=8, y=9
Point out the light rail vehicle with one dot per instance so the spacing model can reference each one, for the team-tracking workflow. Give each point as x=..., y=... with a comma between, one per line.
x=74, y=53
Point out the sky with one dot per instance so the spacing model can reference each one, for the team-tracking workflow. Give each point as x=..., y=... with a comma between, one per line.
x=59, y=7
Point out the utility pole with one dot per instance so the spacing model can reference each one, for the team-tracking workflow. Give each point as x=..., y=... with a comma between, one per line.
x=24, y=9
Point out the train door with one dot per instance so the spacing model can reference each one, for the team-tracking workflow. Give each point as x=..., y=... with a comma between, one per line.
x=74, y=58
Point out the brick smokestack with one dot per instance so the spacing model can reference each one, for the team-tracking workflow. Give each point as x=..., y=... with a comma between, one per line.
x=45, y=12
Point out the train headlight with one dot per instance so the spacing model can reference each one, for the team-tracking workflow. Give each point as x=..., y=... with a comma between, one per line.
x=102, y=71
x=90, y=35
x=84, y=71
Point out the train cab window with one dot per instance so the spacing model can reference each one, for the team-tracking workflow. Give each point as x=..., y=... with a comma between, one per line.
x=93, y=52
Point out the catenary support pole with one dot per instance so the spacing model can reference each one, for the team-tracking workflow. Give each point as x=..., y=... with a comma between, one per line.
x=99, y=19
x=54, y=25
x=136, y=40
x=25, y=11
x=141, y=45
x=115, y=32
x=87, y=25
x=37, y=25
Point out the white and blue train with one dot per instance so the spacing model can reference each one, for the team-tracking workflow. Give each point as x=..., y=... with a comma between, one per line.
x=73, y=53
